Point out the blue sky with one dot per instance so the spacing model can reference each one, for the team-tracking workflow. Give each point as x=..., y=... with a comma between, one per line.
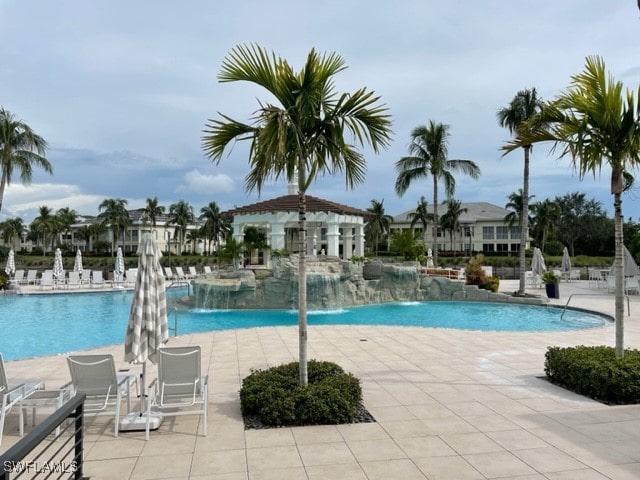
x=122, y=90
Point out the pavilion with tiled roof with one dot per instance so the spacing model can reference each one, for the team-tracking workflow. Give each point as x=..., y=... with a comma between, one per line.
x=332, y=228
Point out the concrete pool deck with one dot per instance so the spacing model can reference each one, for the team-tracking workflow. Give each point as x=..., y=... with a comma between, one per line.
x=449, y=404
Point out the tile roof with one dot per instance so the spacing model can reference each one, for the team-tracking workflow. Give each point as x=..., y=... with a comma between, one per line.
x=289, y=203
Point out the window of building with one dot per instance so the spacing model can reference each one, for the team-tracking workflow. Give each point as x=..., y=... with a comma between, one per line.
x=467, y=231
x=516, y=233
x=487, y=233
x=515, y=247
x=488, y=248
x=440, y=232
x=502, y=233
x=502, y=247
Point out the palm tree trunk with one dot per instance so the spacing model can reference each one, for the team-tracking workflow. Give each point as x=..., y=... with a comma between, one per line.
x=619, y=273
x=435, y=222
x=524, y=220
x=3, y=184
x=302, y=274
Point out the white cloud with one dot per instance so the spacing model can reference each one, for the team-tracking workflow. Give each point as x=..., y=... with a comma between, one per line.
x=25, y=200
x=196, y=182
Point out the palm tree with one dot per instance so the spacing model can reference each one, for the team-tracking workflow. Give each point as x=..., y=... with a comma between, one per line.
x=594, y=122
x=12, y=228
x=66, y=217
x=422, y=215
x=212, y=224
x=546, y=217
x=523, y=107
x=299, y=136
x=450, y=221
x=116, y=216
x=44, y=224
x=84, y=233
x=428, y=154
x=379, y=225
x=20, y=149
x=516, y=207
x=153, y=210
x=181, y=215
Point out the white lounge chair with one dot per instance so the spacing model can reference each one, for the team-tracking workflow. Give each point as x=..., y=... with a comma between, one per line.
x=32, y=277
x=85, y=278
x=96, y=377
x=595, y=277
x=631, y=286
x=19, y=277
x=73, y=279
x=11, y=395
x=168, y=274
x=206, y=269
x=130, y=276
x=180, y=388
x=46, y=280
x=97, y=279
x=181, y=275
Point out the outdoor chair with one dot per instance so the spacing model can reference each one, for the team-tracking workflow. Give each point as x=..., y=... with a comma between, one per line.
x=96, y=377
x=73, y=279
x=595, y=277
x=193, y=272
x=206, y=269
x=168, y=274
x=531, y=280
x=130, y=276
x=19, y=277
x=180, y=388
x=11, y=395
x=631, y=285
x=47, y=280
x=97, y=279
x=85, y=277
x=32, y=277
x=181, y=275
x=574, y=275
x=611, y=283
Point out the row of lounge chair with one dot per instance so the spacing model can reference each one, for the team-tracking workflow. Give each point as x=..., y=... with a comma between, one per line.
x=179, y=274
x=179, y=389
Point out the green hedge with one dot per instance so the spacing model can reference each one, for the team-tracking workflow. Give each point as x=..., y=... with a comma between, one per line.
x=596, y=372
x=274, y=395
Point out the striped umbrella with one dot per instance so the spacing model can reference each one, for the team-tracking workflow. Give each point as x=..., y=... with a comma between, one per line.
x=118, y=271
x=566, y=260
x=10, y=268
x=58, y=267
x=147, y=329
x=77, y=264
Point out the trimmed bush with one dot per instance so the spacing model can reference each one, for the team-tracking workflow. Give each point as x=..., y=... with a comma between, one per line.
x=274, y=395
x=596, y=372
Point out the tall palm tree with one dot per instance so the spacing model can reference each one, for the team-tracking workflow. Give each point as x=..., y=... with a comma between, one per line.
x=428, y=156
x=300, y=136
x=595, y=123
x=84, y=233
x=153, y=210
x=12, y=228
x=450, y=221
x=66, y=217
x=213, y=224
x=181, y=215
x=546, y=215
x=524, y=106
x=20, y=149
x=421, y=215
x=379, y=225
x=516, y=207
x=115, y=216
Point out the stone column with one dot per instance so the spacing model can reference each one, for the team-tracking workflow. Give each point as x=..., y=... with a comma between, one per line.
x=347, y=242
x=333, y=239
x=277, y=236
x=359, y=240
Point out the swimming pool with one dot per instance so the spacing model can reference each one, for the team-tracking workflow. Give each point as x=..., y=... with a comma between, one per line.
x=38, y=325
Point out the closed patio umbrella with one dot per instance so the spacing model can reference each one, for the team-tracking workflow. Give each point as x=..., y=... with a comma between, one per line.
x=537, y=262
x=77, y=264
x=566, y=260
x=118, y=270
x=58, y=267
x=10, y=268
x=147, y=329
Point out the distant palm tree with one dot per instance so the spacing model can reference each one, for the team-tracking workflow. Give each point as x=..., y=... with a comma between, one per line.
x=115, y=216
x=181, y=215
x=429, y=157
x=213, y=224
x=299, y=135
x=84, y=233
x=66, y=217
x=546, y=215
x=450, y=221
x=379, y=225
x=20, y=149
x=153, y=210
x=45, y=226
x=421, y=215
x=12, y=228
x=523, y=107
x=516, y=207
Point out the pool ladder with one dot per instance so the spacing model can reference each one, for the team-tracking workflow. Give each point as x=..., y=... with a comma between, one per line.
x=592, y=295
x=174, y=329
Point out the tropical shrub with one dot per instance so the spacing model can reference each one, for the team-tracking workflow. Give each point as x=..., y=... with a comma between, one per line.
x=596, y=372
x=491, y=283
x=276, y=397
x=474, y=274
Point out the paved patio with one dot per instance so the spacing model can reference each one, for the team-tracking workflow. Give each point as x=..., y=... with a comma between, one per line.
x=449, y=404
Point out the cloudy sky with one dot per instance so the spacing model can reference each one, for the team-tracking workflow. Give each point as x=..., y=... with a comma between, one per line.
x=122, y=89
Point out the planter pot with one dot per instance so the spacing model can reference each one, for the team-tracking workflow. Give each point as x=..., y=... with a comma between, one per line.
x=553, y=290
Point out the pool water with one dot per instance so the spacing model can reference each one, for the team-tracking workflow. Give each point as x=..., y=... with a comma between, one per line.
x=38, y=325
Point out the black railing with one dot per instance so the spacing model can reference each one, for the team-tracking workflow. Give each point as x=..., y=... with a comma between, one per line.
x=53, y=449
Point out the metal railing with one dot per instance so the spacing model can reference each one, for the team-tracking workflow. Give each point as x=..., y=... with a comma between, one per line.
x=564, y=309
x=173, y=329
x=43, y=453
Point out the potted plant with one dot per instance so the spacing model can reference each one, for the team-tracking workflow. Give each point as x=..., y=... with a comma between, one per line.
x=552, y=284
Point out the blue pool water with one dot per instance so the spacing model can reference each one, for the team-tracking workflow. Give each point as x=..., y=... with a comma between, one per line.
x=38, y=325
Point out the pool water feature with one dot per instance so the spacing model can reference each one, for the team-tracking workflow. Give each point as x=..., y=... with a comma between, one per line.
x=38, y=325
